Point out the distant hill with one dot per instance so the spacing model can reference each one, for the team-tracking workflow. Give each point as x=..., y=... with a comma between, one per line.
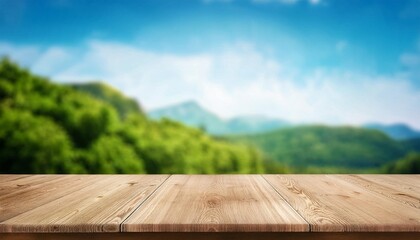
x=412, y=144
x=192, y=114
x=397, y=131
x=123, y=104
x=320, y=146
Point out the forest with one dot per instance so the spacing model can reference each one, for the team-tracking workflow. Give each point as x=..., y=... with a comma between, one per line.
x=335, y=149
x=47, y=127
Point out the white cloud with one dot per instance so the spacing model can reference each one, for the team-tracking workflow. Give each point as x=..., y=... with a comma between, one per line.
x=52, y=60
x=239, y=80
x=23, y=54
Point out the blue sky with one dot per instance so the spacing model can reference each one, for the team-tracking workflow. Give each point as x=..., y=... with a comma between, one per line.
x=329, y=61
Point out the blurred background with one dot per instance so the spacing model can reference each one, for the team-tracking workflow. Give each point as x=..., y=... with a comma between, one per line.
x=209, y=86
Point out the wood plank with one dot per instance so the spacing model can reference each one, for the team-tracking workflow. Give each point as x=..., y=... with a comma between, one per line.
x=331, y=203
x=216, y=203
x=214, y=236
x=9, y=184
x=35, y=190
x=402, y=188
x=404, y=182
x=95, y=203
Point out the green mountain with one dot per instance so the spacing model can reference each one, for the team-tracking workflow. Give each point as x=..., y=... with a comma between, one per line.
x=192, y=114
x=306, y=147
x=47, y=127
x=397, y=131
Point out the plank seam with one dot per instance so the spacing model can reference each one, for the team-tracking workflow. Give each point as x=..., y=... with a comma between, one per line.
x=309, y=225
x=147, y=198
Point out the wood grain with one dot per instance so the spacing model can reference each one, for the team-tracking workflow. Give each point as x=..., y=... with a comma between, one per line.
x=217, y=203
x=334, y=203
x=194, y=205
x=402, y=188
x=21, y=193
x=11, y=177
x=82, y=203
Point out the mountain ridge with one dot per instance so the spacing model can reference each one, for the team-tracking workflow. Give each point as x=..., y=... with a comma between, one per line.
x=193, y=114
x=398, y=131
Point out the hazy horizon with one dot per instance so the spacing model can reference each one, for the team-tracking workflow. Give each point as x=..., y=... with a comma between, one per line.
x=322, y=61
x=177, y=104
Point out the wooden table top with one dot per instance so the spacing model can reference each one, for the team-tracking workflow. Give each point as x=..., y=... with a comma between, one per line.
x=209, y=203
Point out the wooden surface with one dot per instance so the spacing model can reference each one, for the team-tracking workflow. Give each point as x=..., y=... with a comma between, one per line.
x=219, y=203
x=194, y=204
x=85, y=203
x=353, y=203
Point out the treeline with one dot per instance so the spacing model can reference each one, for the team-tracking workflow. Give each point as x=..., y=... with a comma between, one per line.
x=51, y=128
x=326, y=149
x=409, y=164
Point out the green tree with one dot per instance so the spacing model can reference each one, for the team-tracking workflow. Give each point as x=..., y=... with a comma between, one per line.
x=109, y=154
x=408, y=164
x=31, y=144
x=123, y=104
